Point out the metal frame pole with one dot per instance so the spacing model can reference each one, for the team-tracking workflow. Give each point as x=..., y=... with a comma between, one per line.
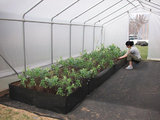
x=83, y=39
x=9, y=65
x=118, y=16
x=52, y=27
x=153, y=3
x=70, y=41
x=145, y=8
x=23, y=25
x=114, y=18
x=69, y=26
x=84, y=24
x=98, y=15
x=44, y=22
x=140, y=3
x=51, y=43
x=150, y=5
x=103, y=11
x=111, y=13
x=114, y=12
x=131, y=2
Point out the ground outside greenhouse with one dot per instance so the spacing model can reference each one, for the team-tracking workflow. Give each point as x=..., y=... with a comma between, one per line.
x=127, y=95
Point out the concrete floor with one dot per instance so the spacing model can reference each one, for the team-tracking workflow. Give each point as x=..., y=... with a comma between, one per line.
x=127, y=95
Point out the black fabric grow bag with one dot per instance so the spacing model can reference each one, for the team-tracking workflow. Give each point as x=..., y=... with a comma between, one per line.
x=57, y=103
x=104, y=75
x=61, y=104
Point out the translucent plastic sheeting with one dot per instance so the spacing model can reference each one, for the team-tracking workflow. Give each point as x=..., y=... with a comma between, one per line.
x=116, y=32
x=11, y=45
x=38, y=35
x=76, y=41
x=156, y=1
x=60, y=41
x=152, y=9
x=153, y=5
x=15, y=8
x=154, y=41
x=38, y=44
x=4, y=68
x=113, y=11
x=82, y=6
x=49, y=8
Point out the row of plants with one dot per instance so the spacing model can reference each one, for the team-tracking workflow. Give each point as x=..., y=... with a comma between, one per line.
x=66, y=76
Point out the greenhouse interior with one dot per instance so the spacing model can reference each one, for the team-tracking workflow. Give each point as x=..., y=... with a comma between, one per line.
x=31, y=42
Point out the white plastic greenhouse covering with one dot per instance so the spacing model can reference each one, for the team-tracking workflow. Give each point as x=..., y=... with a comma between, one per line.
x=35, y=33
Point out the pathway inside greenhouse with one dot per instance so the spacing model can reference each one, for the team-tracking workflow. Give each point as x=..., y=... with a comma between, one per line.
x=127, y=95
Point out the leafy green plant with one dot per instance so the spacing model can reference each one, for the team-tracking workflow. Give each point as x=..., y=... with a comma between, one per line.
x=32, y=82
x=52, y=81
x=67, y=75
x=43, y=82
x=84, y=73
x=60, y=91
x=55, y=68
x=23, y=80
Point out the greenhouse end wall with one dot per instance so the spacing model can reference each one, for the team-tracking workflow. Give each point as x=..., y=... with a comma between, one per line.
x=116, y=32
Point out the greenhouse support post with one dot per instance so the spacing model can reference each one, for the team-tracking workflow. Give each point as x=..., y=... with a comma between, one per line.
x=84, y=24
x=118, y=15
x=9, y=65
x=52, y=28
x=145, y=8
x=141, y=3
x=108, y=16
x=83, y=38
x=131, y=2
x=112, y=13
x=32, y=21
x=153, y=3
x=103, y=11
x=98, y=15
x=24, y=41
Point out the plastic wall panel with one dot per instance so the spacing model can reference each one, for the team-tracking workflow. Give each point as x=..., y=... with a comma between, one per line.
x=154, y=41
x=48, y=8
x=60, y=41
x=96, y=10
x=88, y=39
x=4, y=69
x=15, y=8
x=156, y=1
x=11, y=45
x=116, y=32
x=38, y=44
x=76, y=41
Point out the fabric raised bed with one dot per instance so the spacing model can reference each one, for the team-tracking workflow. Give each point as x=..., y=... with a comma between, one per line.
x=57, y=103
